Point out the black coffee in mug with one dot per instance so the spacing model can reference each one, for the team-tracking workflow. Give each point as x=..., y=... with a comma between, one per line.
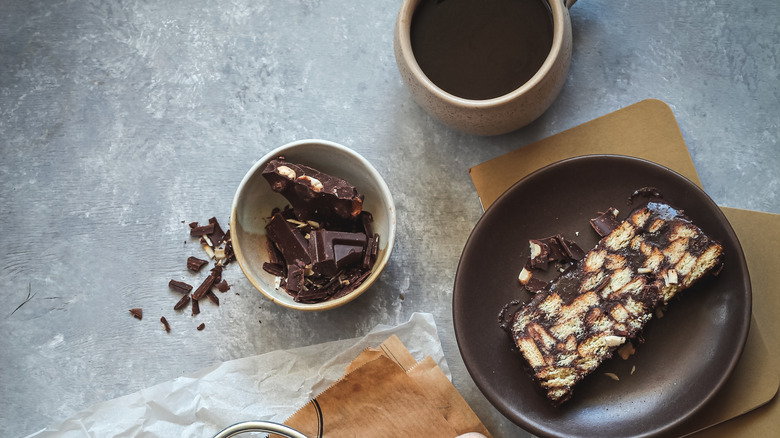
x=481, y=49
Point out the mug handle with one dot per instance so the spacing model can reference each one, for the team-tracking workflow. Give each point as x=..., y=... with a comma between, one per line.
x=569, y=3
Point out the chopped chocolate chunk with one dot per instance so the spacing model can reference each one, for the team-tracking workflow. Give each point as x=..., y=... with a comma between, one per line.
x=229, y=254
x=353, y=284
x=217, y=236
x=195, y=307
x=605, y=222
x=291, y=243
x=194, y=264
x=201, y=326
x=203, y=288
x=185, y=299
x=165, y=324
x=372, y=249
x=216, y=272
x=571, y=249
x=314, y=195
x=180, y=286
x=334, y=250
x=202, y=230
x=367, y=220
x=212, y=297
x=535, y=285
x=294, y=279
x=274, y=269
x=138, y=313
x=312, y=296
x=223, y=286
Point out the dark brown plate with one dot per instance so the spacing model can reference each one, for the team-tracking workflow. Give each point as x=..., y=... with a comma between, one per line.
x=688, y=354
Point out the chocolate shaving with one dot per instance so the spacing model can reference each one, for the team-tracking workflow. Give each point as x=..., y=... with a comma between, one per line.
x=138, y=313
x=195, y=307
x=212, y=297
x=185, y=299
x=165, y=324
x=203, y=288
x=201, y=326
x=180, y=286
x=194, y=264
x=202, y=230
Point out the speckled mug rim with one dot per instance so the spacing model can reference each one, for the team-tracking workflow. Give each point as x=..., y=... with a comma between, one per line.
x=405, y=23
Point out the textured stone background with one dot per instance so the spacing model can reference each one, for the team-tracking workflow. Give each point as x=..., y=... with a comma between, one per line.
x=119, y=120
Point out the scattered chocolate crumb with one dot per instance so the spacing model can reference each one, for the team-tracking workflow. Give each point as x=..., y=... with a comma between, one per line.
x=165, y=324
x=180, y=286
x=194, y=264
x=185, y=299
x=223, y=286
x=214, y=240
x=138, y=313
x=213, y=298
x=202, y=326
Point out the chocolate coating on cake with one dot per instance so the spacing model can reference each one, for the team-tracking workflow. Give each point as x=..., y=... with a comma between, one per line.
x=606, y=298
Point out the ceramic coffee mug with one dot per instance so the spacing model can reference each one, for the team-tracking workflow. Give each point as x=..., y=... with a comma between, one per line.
x=493, y=116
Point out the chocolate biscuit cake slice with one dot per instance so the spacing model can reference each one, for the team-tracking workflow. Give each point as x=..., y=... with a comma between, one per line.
x=580, y=318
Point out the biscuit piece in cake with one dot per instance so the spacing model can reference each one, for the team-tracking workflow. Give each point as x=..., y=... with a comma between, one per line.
x=578, y=320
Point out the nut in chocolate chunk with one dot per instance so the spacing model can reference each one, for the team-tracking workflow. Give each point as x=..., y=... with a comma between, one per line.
x=313, y=193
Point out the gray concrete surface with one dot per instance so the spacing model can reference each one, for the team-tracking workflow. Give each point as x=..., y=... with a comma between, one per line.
x=122, y=120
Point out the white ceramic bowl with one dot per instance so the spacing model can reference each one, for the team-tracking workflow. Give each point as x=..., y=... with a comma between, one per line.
x=254, y=201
